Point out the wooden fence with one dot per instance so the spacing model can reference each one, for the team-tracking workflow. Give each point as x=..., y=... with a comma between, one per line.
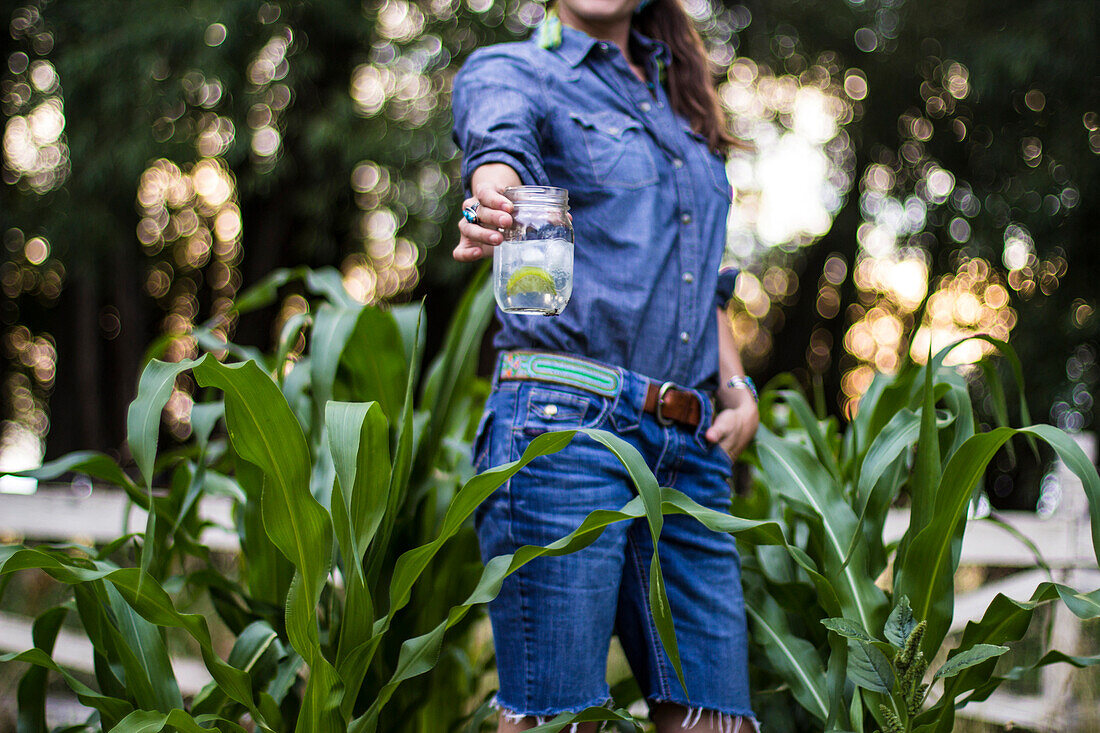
x=1063, y=537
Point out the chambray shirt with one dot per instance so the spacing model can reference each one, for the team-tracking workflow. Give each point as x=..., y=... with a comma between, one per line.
x=648, y=198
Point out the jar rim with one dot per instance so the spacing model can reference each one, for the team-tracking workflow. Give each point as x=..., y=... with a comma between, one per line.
x=538, y=195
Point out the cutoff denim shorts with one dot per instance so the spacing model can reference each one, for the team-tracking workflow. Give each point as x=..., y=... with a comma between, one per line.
x=554, y=618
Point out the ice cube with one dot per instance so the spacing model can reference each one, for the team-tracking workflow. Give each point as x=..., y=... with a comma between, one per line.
x=532, y=254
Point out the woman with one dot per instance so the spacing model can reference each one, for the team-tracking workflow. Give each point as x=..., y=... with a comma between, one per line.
x=613, y=102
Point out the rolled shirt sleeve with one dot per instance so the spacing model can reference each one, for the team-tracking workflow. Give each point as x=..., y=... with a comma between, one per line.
x=497, y=114
x=727, y=279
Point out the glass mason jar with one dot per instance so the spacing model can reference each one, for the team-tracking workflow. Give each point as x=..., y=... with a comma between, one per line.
x=533, y=266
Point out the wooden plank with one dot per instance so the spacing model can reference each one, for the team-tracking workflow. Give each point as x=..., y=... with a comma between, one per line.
x=1061, y=542
x=1033, y=712
x=99, y=517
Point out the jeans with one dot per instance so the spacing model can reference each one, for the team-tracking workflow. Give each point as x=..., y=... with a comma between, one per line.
x=554, y=618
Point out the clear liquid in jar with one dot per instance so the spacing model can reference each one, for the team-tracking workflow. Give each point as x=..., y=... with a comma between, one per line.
x=534, y=276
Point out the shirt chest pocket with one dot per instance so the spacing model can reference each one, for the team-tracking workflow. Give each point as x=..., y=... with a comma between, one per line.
x=717, y=167
x=617, y=148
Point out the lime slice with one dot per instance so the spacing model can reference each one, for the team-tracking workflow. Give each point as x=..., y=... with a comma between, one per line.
x=531, y=280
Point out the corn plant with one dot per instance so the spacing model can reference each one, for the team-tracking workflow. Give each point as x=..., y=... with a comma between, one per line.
x=357, y=571
x=913, y=439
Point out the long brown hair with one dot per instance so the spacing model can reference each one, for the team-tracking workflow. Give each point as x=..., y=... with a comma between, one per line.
x=690, y=87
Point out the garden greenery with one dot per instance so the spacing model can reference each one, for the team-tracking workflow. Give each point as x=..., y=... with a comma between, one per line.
x=358, y=568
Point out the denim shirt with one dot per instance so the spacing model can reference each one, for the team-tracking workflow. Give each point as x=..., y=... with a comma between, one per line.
x=648, y=198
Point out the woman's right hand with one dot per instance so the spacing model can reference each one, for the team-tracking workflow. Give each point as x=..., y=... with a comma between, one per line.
x=494, y=212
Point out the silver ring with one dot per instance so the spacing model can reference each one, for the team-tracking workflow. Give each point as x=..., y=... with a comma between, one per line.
x=469, y=213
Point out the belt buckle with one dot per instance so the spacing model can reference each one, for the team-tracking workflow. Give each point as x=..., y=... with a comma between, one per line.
x=658, y=412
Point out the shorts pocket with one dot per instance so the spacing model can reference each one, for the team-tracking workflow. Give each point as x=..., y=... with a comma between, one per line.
x=618, y=149
x=479, y=448
x=551, y=409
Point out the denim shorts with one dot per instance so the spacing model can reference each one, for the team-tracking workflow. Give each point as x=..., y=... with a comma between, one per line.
x=554, y=618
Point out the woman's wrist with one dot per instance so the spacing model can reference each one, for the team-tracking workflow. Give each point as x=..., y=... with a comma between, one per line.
x=743, y=383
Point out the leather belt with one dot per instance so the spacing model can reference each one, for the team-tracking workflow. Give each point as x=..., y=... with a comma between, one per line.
x=667, y=403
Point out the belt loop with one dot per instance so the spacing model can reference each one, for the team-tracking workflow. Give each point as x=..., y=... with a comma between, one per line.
x=626, y=412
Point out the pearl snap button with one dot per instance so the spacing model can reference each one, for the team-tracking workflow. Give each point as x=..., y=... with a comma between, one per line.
x=685, y=218
x=644, y=106
x=550, y=410
x=685, y=336
x=688, y=277
x=677, y=163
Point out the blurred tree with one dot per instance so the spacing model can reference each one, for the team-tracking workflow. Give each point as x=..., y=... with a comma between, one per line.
x=160, y=156
x=982, y=120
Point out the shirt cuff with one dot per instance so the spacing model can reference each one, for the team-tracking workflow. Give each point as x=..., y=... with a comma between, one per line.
x=727, y=279
x=528, y=175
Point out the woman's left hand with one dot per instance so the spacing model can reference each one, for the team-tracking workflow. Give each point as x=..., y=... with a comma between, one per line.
x=734, y=427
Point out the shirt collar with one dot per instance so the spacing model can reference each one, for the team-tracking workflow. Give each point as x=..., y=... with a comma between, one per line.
x=576, y=45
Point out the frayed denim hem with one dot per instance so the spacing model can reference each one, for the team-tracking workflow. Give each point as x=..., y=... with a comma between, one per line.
x=545, y=716
x=727, y=721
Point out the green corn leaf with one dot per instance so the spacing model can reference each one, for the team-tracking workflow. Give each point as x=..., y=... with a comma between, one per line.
x=1018, y=672
x=836, y=682
x=264, y=432
x=251, y=645
x=420, y=654
x=399, y=475
x=93, y=463
x=886, y=396
x=153, y=604
x=588, y=715
x=895, y=438
x=31, y=695
x=900, y=623
x=795, y=473
x=147, y=721
x=926, y=575
x=149, y=652
x=210, y=343
x=111, y=709
x=204, y=416
x=358, y=437
x=288, y=337
x=267, y=572
x=143, y=431
x=809, y=422
x=869, y=668
x=1005, y=620
x=413, y=335
x=926, y=467
x=359, y=443
x=332, y=330
x=328, y=281
x=972, y=656
x=264, y=292
x=795, y=658
x=143, y=415
x=847, y=629
x=372, y=364
x=454, y=365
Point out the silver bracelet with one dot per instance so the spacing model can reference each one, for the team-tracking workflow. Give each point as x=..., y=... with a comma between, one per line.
x=741, y=382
